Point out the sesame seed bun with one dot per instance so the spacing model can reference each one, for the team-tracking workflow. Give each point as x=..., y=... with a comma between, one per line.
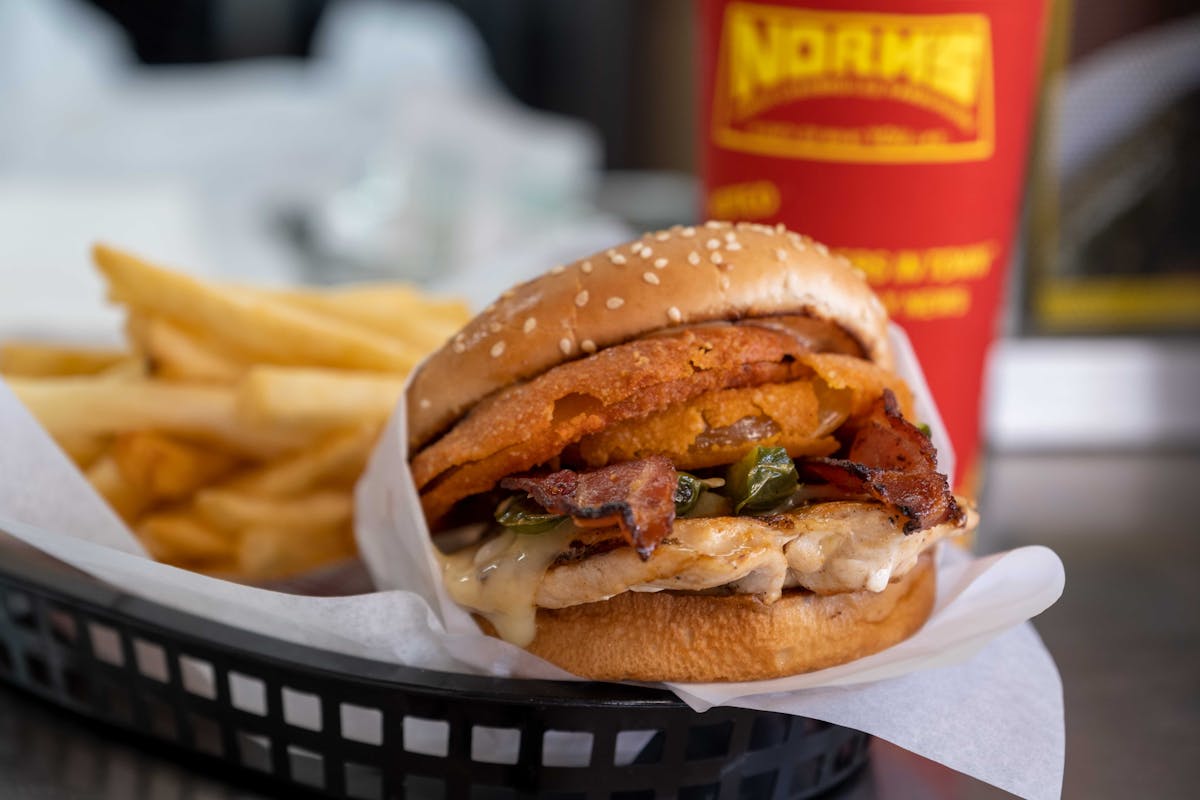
x=684, y=275
x=667, y=636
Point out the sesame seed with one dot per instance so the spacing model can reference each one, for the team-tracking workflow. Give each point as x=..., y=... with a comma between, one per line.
x=716, y=257
x=647, y=252
x=650, y=278
x=585, y=267
x=733, y=247
x=731, y=237
x=508, y=294
x=617, y=258
x=460, y=337
x=565, y=346
x=713, y=224
x=581, y=298
x=659, y=263
x=424, y=402
x=497, y=349
x=530, y=324
x=713, y=244
x=693, y=257
x=800, y=245
x=662, y=236
x=587, y=346
x=494, y=327
x=689, y=232
x=781, y=254
x=780, y=228
x=557, y=269
x=724, y=283
x=674, y=314
x=459, y=347
x=822, y=249
x=614, y=303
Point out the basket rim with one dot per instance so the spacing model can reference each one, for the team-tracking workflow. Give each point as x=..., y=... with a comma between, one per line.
x=41, y=574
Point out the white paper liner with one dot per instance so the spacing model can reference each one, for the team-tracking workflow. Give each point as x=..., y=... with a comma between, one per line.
x=974, y=689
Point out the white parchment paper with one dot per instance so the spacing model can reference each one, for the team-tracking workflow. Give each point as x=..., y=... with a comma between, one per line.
x=974, y=689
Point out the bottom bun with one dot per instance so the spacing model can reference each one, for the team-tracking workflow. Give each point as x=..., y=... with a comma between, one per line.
x=663, y=636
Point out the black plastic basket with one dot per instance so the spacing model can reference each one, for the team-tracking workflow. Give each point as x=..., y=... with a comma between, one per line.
x=302, y=721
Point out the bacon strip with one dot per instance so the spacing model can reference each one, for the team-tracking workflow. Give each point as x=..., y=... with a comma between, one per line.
x=638, y=496
x=891, y=461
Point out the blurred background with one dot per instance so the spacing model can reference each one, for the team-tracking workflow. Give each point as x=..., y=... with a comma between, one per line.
x=470, y=143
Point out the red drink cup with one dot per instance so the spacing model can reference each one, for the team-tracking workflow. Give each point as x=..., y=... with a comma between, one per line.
x=895, y=131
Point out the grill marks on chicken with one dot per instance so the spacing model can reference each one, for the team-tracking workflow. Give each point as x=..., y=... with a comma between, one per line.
x=892, y=461
x=637, y=496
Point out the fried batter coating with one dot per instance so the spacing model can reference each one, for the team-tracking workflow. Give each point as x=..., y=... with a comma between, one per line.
x=528, y=424
x=863, y=379
x=715, y=428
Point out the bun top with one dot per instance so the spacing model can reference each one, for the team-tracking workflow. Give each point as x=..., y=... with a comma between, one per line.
x=680, y=276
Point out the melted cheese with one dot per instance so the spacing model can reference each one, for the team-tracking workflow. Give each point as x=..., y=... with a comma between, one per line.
x=499, y=579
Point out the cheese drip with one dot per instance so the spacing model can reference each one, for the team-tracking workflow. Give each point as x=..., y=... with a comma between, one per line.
x=500, y=578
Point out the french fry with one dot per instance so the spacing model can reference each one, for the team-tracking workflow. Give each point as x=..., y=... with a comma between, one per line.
x=180, y=538
x=84, y=450
x=127, y=500
x=168, y=469
x=235, y=511
x=315, y=397
x=387, y=308
x=379, y=301
x=336, y=460
x=178, y=354
x=272, y=552
x=249, y=322
x=34, y=360
x=85, y=406
x=231, y=435
x=130, y=368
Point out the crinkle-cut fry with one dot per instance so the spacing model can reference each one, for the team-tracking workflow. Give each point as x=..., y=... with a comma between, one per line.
x=272, y=551
x=128, y=500
x=395, y=310
x=316, y=397
x=40, y=360
x=180, y=537
x=235, y=511
x=166, y=468
x=90, y=406
x=336, y=460
x=176, y=353
x=251, y=323
x=85, y=450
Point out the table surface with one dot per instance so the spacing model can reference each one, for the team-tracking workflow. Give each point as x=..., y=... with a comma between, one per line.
x=1126, y=636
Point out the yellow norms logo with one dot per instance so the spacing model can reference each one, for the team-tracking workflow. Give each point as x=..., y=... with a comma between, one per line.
x=936, y=71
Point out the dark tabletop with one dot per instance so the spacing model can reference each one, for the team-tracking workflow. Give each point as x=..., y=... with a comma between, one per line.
x=1126, y=636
